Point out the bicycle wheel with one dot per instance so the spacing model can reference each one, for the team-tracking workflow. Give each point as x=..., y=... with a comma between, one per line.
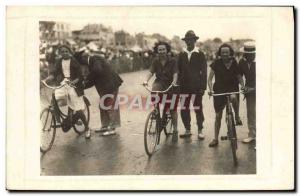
x=232, y=137
x=168, y=125
x=79, y=125
x=48, y=130
x=151, y=133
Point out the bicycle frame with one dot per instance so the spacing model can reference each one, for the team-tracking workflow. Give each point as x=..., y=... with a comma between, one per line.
x=229, y=112
x=53, y=103
x=160, y=117
x=231, y=132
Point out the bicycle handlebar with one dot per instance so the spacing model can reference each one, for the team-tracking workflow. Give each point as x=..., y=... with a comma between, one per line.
x=56, y=87
x=151, y=91
x=230, y=93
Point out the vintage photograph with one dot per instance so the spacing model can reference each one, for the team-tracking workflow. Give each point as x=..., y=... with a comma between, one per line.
x=118, y=99
x=150, y=98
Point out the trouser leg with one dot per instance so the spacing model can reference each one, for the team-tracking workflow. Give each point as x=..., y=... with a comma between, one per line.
x=111, y=115
x=199, y=111
x=104, y=118
x=114, y=111
x=174, y=118
x=185, y=113
x=251, y=114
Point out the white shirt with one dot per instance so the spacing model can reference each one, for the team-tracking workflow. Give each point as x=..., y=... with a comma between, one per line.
x=189, y=53
x=66, y=67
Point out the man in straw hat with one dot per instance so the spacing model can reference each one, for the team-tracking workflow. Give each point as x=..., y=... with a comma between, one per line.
x=247, y=67
x=193, y=79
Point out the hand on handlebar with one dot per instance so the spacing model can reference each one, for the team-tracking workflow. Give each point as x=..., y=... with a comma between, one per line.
x=244, y=89
x=145, y=83
x=210, y=93
x=174, y=84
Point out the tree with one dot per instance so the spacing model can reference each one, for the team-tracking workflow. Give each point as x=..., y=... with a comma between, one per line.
x=160, y=37
x=217, y=40
x=176, y=43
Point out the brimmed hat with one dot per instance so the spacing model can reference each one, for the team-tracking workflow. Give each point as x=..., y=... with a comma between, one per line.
x=249, y=47
x=55, y=43
x=190, y=35
x=65, y=46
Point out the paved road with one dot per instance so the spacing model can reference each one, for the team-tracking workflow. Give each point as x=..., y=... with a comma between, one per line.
x=124, y=153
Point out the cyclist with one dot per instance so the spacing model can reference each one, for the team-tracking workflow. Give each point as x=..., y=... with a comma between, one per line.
x=67, y=70
x=226, y=72
x=165, y=69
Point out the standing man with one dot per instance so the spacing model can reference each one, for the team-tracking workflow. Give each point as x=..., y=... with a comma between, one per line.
x=247, y=67
x=193, y=79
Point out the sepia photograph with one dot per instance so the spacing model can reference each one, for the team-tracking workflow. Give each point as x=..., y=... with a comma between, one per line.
x=152, y=92
x=82, y=135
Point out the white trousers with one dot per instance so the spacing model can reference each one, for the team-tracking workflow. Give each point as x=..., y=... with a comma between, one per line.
x=68, y=93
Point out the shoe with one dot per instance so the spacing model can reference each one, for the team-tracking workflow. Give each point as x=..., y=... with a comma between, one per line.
x=248, y=139
x=88, y=134
x=175, y=136
x=102, y=129
x=201, y=136
x=213, y=143
x=186, y=134
x=108, y=133
x=238, y=122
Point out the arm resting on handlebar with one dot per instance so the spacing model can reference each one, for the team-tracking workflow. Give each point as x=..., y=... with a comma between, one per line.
x=175, y=79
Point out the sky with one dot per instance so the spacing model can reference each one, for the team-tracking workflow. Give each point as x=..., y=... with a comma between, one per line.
x=169, y=21
x=205, y=29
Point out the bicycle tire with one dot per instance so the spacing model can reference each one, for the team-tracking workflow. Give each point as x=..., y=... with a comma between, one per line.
x=232, y=137
x=52, y=126
x=149, y=123
x=87, y=109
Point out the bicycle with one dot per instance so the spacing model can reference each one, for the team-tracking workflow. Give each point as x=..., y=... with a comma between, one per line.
x=52, y=115
x=231, y=131
x=156, y=123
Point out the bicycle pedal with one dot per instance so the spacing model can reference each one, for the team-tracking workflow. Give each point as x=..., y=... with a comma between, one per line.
x=224, y=137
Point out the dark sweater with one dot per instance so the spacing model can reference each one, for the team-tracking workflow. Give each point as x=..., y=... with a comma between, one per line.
x=193, y=73
x=102, y=76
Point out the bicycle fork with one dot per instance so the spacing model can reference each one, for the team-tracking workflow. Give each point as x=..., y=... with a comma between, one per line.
x=231, y=134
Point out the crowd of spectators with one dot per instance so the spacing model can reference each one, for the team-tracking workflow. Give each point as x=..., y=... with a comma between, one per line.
x=122, y=60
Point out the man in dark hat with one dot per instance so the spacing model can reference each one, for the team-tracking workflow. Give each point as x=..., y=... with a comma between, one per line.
x=193, y=79
x=247, y=67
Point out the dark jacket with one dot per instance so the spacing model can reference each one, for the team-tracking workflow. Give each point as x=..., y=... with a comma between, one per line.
x=75, y=72
x=193, y=73
x=102, y=76
x=250, y=74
